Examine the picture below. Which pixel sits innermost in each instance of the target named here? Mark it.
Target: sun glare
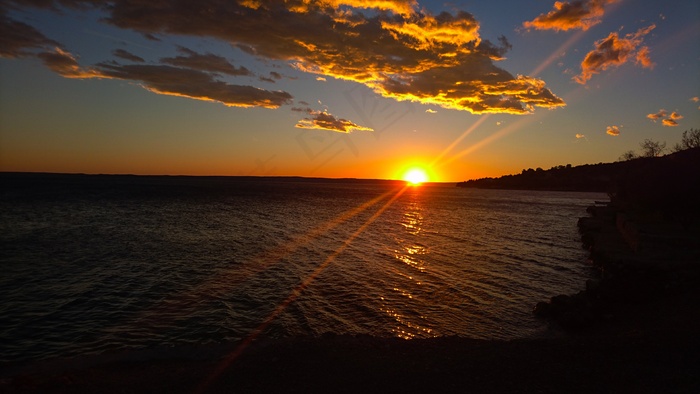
(415, 176)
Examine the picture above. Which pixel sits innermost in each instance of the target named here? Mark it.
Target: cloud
(16, 37)
(666, 118)
(614, 51)
(322, 79)
(398, 52)
(695, 99)
(662, 113)
(127, 56)
(669, 122)
(579, 136)
(322, 120)
(207, 62)
(613, 130)
(643, 59)
(567, 16)
(65, 64)
(675, 115)
(394, 49)
(431, 111)
(195, 84)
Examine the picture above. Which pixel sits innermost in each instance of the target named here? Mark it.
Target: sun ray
(293, 295)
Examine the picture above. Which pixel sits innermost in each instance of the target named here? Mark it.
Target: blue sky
(341, 88)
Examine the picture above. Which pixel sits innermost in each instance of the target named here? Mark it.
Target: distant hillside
(602, 177)
(668, 184)
(589, 177)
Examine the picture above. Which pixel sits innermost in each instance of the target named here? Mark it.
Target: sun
(415, 176)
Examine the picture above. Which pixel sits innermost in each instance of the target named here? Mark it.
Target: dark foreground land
(651, 348)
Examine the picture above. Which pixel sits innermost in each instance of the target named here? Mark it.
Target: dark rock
(542, 309)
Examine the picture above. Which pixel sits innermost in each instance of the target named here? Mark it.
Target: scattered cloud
(579, 136)
(127, 56)
(614, 51)
(613, 130)
(662, 113)
(666, 118)
(322, 120)
(695, 99)
(579, 15)
(322, 79)
(431, 111)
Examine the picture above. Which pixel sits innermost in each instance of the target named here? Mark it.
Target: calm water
(91, 264)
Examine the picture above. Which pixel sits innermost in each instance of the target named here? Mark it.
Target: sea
(98, 263)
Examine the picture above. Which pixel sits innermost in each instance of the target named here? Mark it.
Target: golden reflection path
(296, 292)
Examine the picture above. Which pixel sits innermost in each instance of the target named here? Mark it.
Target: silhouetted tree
(652, 148)
(690, 139)
(629, 155)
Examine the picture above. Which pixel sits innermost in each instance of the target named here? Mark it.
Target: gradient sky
(341, 88)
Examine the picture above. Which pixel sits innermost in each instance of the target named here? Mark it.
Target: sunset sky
(341, 88)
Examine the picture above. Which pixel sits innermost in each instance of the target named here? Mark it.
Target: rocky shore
(641, 259)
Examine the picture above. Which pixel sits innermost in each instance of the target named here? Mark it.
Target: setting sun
(415, 176)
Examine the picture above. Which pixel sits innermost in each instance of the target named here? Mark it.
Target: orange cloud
(669, 122)
(643, 58)
(322, 120)
(667, 119)
(566, 16)
(613, 130)
(614, 51)
(662, 113)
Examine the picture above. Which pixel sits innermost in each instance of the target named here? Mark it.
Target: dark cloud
(570, 15)
(614, 51)
(16, 38)
(127, 56)
(195, 84)
(207, 62)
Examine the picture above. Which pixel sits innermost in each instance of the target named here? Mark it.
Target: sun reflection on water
(401, 301)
